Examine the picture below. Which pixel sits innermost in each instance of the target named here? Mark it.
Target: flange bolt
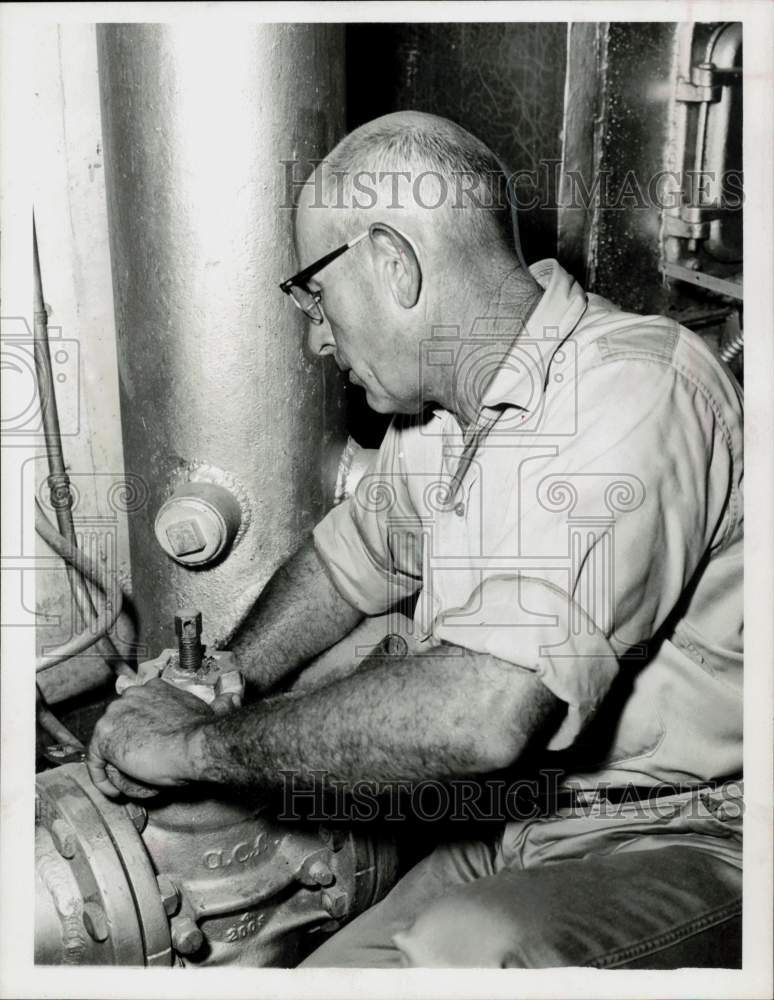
(335, 901)
(95, 921)
(187, 939)
(64, 838)
(317, 872)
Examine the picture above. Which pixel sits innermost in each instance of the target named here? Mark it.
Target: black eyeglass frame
(300, 279)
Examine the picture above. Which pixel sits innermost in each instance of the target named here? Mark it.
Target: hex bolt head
(170, 895)
(95, 921)
(187, 939)
(63, 837)
(138, 815)
(335, 901)
(317, 872)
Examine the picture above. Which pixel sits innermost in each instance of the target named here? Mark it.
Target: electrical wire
(109, 611)
(50, 725)
(61, 496)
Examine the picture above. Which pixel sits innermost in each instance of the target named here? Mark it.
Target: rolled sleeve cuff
(354, 571)
(535, 625)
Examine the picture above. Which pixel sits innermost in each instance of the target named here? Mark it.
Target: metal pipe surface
(202, 126)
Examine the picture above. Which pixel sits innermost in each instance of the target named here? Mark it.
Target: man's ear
(399, 263)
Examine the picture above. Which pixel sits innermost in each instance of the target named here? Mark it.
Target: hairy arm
(448, 713)
(452, 712)
(298, 615)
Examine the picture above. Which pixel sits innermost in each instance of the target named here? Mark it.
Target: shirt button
(459, 510)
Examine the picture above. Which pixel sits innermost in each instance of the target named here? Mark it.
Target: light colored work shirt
(588, 527)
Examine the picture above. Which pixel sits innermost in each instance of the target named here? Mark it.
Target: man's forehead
(313, 222)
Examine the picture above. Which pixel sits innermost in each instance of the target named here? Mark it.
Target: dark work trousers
(653, 885)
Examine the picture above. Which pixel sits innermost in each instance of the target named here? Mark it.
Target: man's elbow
(515, 721)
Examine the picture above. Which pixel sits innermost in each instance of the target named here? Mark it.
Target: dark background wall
(503, 82)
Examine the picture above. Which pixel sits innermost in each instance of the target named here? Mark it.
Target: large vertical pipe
(197, 121)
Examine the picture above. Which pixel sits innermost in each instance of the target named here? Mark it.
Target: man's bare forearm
(298, 615)
(433, 716)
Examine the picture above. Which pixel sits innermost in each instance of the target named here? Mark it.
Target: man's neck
(488, 323)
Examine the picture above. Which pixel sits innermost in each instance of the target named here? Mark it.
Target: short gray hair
(474, 179)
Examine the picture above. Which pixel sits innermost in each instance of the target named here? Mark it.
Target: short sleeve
(372, 564)
(635, 497)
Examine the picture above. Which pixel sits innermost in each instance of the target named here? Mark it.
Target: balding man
(560, 493)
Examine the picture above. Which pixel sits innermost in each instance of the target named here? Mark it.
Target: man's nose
(321, 340)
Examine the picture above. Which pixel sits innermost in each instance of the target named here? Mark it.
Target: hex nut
(317, 872)
(138, 815)
(95, 921)
(170, 895)
(335, 901)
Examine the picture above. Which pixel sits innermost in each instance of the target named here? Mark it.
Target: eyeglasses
(309, 302)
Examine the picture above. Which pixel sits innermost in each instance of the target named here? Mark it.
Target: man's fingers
(132, 789)
(225, 703)
(97, 772)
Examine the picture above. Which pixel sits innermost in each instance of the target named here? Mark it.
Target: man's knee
(468, 929)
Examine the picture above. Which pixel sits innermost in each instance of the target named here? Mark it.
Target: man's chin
(384, 404)
(380, 405)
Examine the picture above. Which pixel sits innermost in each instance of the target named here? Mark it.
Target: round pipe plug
(198, 523)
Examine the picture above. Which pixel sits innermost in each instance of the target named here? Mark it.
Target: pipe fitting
(188, 629)
(197, 525)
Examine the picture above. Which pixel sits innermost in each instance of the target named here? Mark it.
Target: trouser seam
(667, 938)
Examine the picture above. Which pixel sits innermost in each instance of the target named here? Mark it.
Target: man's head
(432, 199)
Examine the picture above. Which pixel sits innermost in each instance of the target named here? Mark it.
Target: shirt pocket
(722, 664)
(626, 726)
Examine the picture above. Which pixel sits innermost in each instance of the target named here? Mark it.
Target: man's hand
(148, 734)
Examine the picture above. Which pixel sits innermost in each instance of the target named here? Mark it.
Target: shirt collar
(553, 320)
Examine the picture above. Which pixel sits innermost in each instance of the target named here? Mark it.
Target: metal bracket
(692, 222)
(706, 83)
(722, 286)
(676, 225)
